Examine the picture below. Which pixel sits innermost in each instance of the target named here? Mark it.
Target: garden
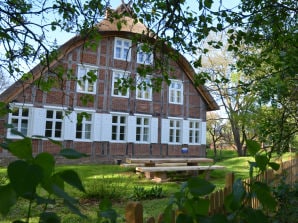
(120, 185)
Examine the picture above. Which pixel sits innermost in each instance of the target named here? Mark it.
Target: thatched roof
(108, 27)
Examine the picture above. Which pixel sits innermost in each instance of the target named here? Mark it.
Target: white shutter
(70, 122)
(106, 127)
(165, 125)
(38, 121)
(185, 132)
(154, 130)
(203, 133)
(131, 129)
(97, 127)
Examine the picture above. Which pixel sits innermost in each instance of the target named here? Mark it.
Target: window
(122, 49)
(175, 131)
(54, 121)
(86, 79)
(116, 84)
(142, 129)
(144, 55)
(84, 126)
(144, 89)
(194, 131)
(119, 125)
(20, 119)
(176, 92)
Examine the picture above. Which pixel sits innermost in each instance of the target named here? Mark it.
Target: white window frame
(176, 93)
(122, 49)
(144, 94)
(84, 129)
(54, 120)
(82, 73)
(175, 130)
(19, 121)
(141, 128)
(145, 58)
(119, 128)
(194, 129)
(117, 74)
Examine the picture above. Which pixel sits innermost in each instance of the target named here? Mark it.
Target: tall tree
(226, 84)
(215, 127)
(267, 53)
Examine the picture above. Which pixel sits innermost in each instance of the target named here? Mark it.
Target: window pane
(25, 112)
(59, 115)
(146, 121)
(58, 133)
(50, 114)
(15, 111)
(114, 119)
(122, 119)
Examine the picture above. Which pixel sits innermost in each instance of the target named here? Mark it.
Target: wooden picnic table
(153, 161)
(159, 174)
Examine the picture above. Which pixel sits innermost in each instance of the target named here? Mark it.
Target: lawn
(121, 185)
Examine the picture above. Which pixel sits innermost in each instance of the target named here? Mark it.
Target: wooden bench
(160, 172)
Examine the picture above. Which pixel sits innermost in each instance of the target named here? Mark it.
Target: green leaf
(3, 109)
(199, 187)
(68, 200)
(262, 161)
(72, 154)
(49, 217)
(253, 147)
(234, 200)
(263, 194)
(106, 211)
(24, 178)
(274, 166)
(72, 178)
(208, 3)
(21, 148)
(183, 218)
(217, 218)
(254, 216)
(47, 162)
(8, 198)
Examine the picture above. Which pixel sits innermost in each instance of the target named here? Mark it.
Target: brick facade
(65, 94)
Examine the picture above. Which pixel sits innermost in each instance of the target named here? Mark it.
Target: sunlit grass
(117, 183)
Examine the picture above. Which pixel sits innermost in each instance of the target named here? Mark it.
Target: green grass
(117, 183)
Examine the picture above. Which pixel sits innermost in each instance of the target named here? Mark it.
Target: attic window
(122, 49)
(87, 79)
(176, 92)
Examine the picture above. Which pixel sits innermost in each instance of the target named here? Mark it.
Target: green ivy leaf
(71, 177)
(21, 148)
(8, 198)
(199, 187)
(71, 154)
(253, 147)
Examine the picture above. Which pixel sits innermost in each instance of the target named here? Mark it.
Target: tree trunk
(237, 140)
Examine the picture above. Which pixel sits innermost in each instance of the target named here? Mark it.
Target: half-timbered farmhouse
(116, 124)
